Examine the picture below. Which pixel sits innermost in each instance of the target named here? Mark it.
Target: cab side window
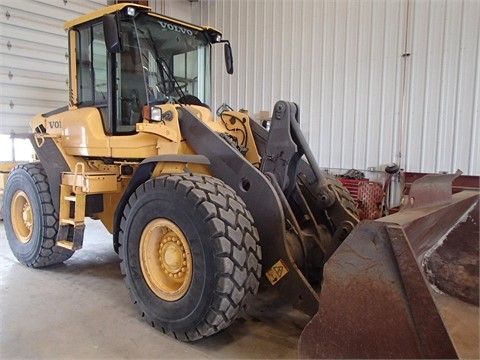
(132, 88)
(91, 63)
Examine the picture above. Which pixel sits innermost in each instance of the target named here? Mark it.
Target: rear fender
(54, 165)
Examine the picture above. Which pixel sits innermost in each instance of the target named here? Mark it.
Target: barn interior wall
(377, 81)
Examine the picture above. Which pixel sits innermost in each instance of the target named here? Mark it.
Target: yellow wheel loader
(201, 208)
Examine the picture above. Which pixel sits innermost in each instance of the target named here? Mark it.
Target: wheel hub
(165, 259)
(172, 256)
(27, 215)
(22, 217)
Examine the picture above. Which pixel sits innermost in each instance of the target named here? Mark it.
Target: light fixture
(155, 114)
(152, 113)
(131, 11)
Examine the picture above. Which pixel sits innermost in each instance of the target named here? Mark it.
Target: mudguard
(53, 163)
(142, 174)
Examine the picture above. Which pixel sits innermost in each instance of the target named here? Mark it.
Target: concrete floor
(81, 309)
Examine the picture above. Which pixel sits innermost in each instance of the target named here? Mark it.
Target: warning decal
(277, 271)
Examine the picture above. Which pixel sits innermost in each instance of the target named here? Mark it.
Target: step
(69, 221)
(66, 244)
(91, 182)
(76, 243)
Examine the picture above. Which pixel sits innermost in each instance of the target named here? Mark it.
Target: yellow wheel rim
(165, 259)
(22, 217)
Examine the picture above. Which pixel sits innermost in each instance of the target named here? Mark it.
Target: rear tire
(190, 254)
(31, 222)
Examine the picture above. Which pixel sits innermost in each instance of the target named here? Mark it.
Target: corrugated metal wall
(376, 80)
(442, 120)
(33, 57)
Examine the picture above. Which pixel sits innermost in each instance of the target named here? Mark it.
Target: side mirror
(228, 57)
(111, 30)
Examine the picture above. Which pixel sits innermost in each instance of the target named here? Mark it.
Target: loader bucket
(376, 301)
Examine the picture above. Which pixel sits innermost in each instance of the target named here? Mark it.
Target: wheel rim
(22, 217)
(165, 259)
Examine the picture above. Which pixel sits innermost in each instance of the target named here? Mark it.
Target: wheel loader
(202, 206)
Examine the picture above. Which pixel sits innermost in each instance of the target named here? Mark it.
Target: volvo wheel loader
(201, 206)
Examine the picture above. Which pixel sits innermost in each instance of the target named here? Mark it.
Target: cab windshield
(161, 61)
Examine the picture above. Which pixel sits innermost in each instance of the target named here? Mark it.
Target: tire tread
(237, 251)
(49, 253)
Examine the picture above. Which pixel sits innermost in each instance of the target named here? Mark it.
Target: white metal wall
(33, 57)
(376, 80)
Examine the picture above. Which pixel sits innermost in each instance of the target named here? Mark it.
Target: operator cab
(130, 58)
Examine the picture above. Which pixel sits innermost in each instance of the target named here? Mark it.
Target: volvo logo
(177, 28)
(55, 124)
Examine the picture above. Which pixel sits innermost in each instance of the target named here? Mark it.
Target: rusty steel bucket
(376, 300)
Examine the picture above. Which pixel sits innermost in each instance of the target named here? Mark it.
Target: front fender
(261, 200)
(144, 173)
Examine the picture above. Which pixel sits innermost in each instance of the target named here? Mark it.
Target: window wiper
(170, 81)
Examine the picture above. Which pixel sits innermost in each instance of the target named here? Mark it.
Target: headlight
(131, 11)
(152, 113)
(155, 114)
(214, 36)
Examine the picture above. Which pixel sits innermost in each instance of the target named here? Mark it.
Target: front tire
(30, 219)
(190, 254)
